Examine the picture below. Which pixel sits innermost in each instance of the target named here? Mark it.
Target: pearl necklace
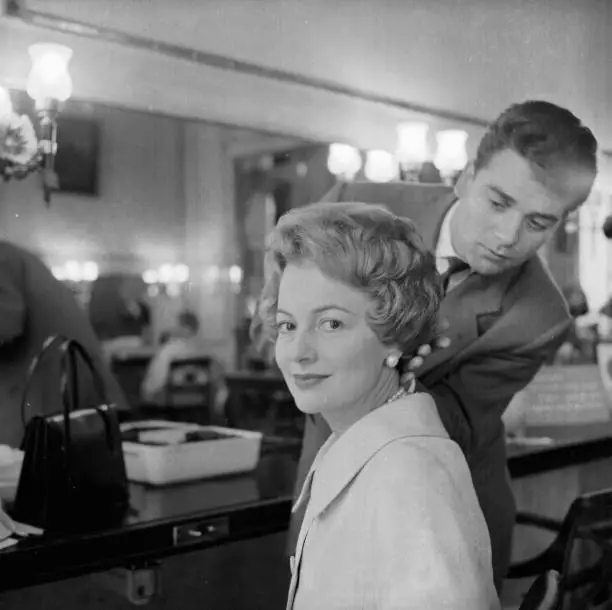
(399, 394)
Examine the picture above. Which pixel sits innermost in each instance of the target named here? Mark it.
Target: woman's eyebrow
(318, 310)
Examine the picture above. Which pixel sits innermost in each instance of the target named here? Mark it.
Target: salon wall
(472, 57)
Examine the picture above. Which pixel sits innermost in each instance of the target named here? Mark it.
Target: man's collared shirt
(446, 251)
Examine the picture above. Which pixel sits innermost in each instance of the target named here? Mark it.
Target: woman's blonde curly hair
(368, 248)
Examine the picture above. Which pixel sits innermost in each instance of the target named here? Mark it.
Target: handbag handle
(50, 342)
(69, 349)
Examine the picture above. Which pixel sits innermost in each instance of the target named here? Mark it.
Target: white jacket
(392, 520)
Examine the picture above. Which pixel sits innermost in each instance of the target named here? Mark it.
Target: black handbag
(73, 475)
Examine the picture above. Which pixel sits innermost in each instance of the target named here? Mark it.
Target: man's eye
(498, 204)
(536, 226)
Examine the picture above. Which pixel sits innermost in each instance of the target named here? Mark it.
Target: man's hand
(413, 365)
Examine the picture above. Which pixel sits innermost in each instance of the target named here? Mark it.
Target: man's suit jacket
(392, 520)
(501, 328)
(33, 306)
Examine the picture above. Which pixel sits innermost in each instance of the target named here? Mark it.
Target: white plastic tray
(180, 462)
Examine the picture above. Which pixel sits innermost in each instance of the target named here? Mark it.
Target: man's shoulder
(14, 260)
(536, 284)
(18, 257)
(536, 299)
(10, 252)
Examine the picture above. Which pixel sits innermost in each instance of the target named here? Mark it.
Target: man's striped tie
(455, 265)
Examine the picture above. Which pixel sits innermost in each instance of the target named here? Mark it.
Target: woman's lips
(306, 381)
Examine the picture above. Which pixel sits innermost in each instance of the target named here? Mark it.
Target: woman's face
(329, 356)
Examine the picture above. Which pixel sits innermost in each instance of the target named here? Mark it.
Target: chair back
(543, 593)
(190, 383)
(584, 538)
(262, 401)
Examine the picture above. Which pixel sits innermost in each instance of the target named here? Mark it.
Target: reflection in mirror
(159, 227)
(155, 215)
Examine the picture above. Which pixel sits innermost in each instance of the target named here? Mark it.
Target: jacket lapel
(412, 416)
(462, 307)
(477, 296)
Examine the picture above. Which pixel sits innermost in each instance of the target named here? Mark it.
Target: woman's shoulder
(421, 462)
(416, 414)
(427, 478)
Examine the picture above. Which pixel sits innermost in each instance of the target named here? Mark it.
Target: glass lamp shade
(412, 149)
(451, 155)
(380, 166)
(49, 77)
(343, 160)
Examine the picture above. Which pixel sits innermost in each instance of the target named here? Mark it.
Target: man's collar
(444, 247)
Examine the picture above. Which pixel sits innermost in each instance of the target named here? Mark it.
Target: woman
(392, 519)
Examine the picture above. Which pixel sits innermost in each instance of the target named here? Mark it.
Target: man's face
(507, 211)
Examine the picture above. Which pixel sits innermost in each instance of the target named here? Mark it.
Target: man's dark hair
(607, 227)
(548, 136)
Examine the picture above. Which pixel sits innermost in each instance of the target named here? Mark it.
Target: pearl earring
(391, 361)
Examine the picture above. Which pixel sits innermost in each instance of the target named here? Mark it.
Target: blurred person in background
(34, 306)
(119, 311)
(592, 326)
(579, 344)
(182, 342)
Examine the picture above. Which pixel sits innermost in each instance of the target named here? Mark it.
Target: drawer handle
(201, 531)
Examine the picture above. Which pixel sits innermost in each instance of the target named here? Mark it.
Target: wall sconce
(411, 159)
(49, 84)
(380, 166)
(169, 278)
(412, 149)
(343, 161)
(214, 276)
(451, 154)
(79, 277)
(76, 272)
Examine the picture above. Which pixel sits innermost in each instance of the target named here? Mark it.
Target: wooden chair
(588, 521)
(191, 390)
(543, 593)
(261, 401)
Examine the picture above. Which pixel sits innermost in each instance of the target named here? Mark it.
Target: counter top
(570, 446)
(164, 521)
(181, 518)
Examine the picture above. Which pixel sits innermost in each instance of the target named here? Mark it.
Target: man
(535, 164)
(34, 306)
(183, 342)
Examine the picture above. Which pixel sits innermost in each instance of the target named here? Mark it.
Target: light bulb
(343, 160)
(412, 146)
(90, 271)
(380, 166)
(451, 155)
(49, 77)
